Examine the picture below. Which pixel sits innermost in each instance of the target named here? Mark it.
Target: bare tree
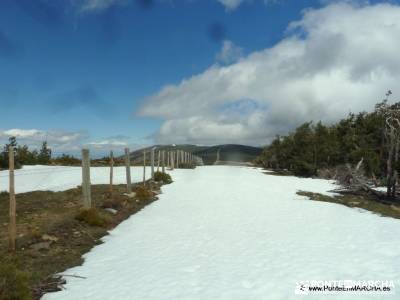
(391, 118)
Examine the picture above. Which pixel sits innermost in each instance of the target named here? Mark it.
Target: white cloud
(70, 142)
(334, 60)
(229, 52)
(86, 6)
(231, 4)
(58, 140)
(24, 133)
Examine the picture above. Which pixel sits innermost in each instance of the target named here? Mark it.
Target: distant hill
(229, 153)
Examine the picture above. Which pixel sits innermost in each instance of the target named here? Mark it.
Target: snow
(61, 178)
(222, 232)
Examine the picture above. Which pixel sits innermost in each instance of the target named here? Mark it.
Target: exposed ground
(52, 239)
(366, 202)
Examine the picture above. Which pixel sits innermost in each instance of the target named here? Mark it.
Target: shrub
(164, 177)
(304, 169)
(143, 193)
(112, 203)
(14, 284)
(4, 193)
(91, 217)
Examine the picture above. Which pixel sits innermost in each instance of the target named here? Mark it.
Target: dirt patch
(361, 201)
(53, 233)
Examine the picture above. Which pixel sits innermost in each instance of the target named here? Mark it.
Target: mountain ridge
(229, 153)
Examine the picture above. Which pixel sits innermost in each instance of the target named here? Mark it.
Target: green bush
(164, 177)
(304, 169)
(14, 284)
(91, 217)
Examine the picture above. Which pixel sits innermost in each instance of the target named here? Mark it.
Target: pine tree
(44, 154)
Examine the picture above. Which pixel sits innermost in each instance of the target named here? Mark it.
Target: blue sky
(94, 72)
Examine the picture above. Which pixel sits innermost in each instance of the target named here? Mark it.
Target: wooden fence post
(163, 161)
(111, 173)
(13, 222)
(128, 171)
(87, 197)
(144, 167)
(152, 163)
(172, 160)
(158, 161)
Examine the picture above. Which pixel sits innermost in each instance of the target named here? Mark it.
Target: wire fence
(59, 178)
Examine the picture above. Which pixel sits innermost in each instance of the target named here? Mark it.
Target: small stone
(41, 246)
(50, 238)
(111, 210)
(131, 195)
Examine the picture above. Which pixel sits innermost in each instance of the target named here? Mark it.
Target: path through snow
(231, 233)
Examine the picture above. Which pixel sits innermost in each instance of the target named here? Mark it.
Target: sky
(109, 74)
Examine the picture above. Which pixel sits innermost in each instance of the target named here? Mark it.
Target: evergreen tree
(44, 156)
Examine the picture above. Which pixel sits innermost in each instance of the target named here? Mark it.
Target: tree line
(25, 156)
(372, 138)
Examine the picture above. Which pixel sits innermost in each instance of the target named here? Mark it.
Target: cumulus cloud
(58, 140)
(334, 60)
(70, 142)
(229, 52)
(116, 144)
(107, 143)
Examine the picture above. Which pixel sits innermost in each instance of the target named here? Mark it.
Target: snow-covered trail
(231, 233)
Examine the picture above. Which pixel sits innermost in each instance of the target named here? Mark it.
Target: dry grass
(14, 283)
(92, 217)
(54, 233)
(143, 193)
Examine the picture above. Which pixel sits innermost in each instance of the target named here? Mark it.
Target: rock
(50, 238)
(41, 246)
(111, 210)
(131, 195)
(354, 203)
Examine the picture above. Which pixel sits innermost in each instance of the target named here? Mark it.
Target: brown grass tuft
(91, 217)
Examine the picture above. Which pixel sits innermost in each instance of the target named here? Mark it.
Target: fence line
(171, 159)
